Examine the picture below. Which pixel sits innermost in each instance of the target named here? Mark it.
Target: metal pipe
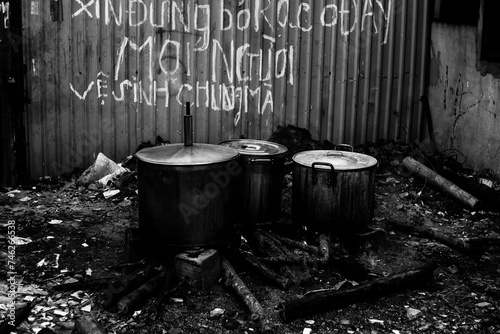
(188, 127)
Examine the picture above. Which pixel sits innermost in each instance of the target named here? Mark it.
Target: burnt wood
(333, 299)
(233, 281)
(461, 244)
(278, 280)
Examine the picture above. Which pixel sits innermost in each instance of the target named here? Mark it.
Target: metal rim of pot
(256, 151)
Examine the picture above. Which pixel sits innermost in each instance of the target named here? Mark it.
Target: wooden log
(129, 265)
(164, 294)
(279, 260)
(324, 249)
(269, 248)
(282, 282)
(125, 284)
(270, 245)
(87, 325)
(233, 281)
(87, 284)
(141, 295)
(298, 245)
(460, 244)
(333, 299)
(427, 174)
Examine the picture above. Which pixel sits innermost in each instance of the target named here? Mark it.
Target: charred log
(460, 244)
(87, 325)
(120, 287)
(141, 295)
(280, 281)
(333, 299)
(233, 281)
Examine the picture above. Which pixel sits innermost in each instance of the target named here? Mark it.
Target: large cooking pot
(333, 191)
(188, 193)
(263, 164)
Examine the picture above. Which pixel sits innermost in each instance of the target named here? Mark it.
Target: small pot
(333, 191)
(263, 165)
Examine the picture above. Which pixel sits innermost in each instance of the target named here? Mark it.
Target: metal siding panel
(202, 77)
(281, 72)
(396, 114)
(254, 87)
(267, 80)
(34, 114)
(330, 72)
(388, 79)
(376, 87)
(292, 94)
(304, 78)
(342, 66)
(423, 49)
(182, 24)
(341, 79)
(65, 103)
(229, 101)
(354, 77)
(411, 75)
(365, 81)
(317, 75)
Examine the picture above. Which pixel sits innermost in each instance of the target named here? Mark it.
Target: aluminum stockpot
(333, 191)
(263, 164)
(188, 195)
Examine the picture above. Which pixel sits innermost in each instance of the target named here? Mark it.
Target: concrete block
(202, 269)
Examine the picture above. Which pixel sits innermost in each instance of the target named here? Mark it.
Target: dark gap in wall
(464, 12)
(488, 46)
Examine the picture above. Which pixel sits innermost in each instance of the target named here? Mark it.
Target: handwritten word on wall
(170, 73)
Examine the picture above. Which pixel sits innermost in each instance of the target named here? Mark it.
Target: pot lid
(340, 160)
(181, 155)
(255, 147)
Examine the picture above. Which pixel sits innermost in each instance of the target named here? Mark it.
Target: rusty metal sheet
(106, 75)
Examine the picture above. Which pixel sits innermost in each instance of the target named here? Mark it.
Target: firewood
(298, 245)
(233, 281)
(282, 282)
(139, 296)
(123, 285)
(324, 249)
(271, 246)
(440, 182)
(280, 260)
(460, 244)
(87, 284)
(164, 294)
(129, 265)
(333, 299)
(87, 325)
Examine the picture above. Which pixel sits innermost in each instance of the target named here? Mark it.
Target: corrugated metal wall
(105, 75)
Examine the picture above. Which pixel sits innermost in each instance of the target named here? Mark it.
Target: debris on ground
(76, 234)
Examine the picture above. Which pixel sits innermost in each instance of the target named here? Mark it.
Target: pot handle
(349, 147)
(334, 153)
(333, 180)
(261, 161)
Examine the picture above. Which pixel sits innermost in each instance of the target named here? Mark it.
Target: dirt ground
(67, 233)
